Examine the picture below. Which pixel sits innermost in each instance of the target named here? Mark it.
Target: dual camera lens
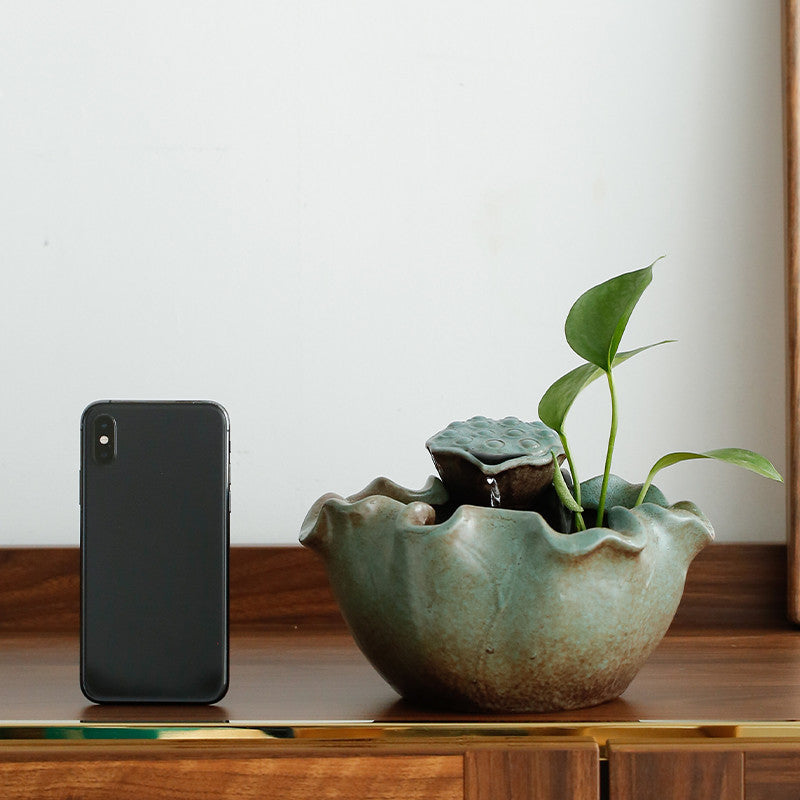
(104, 437)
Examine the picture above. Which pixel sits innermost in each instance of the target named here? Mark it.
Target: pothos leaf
(598, 318)
(737, 456)
(558, 399)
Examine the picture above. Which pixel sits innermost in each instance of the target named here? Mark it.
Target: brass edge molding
(462, 735)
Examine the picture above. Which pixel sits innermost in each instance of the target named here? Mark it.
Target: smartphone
(155, 529)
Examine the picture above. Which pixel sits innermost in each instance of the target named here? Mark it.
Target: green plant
(594, 328)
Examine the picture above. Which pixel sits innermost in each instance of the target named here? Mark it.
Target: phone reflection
(123, 713)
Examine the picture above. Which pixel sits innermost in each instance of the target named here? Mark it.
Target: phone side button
(80, 487)
(229, 499)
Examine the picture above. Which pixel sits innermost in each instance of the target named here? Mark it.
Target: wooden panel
(730, 585)
(736, 587)
(139, 774)
(280, 586)
(270, 586)
(653, 772)
(791, 48)
(773, 773)
(568, 771)
(39, 589)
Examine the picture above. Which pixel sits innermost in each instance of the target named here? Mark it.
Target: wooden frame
(791, 95)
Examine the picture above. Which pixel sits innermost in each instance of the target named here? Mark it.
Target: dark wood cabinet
(642, 771)
(727, 769)
(534, 772)
(170, 772)
(772, 772)
(308, 718)
(541, 770)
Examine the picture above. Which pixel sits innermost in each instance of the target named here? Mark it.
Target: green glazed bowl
(493, 610)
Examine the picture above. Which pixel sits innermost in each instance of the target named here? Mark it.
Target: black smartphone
(155, 511)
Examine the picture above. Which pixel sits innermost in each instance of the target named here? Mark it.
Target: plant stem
(645, 487)
(577, 487)
(601, 506)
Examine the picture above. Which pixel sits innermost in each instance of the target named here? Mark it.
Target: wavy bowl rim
(411, 512)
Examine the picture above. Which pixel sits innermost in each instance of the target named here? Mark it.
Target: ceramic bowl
(493, 610)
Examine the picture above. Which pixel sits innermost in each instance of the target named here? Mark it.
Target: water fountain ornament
(492, 609)
(508, 585)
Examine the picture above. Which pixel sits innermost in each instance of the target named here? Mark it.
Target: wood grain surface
(735, 587)
(269, 586)
(753, 769)
(572, 770)
(773, 773)
(320, 675)
(791, 84)
(642, 772)
(152, 772)
(729, 585)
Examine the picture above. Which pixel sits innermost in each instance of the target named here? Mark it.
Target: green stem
(601, 506)
(577, 487)
(645, 487)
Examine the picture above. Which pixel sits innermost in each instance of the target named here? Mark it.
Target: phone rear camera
(105, 439)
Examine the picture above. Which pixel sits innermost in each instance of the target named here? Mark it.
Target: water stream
(494, 493)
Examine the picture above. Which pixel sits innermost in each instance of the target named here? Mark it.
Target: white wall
(353, 222)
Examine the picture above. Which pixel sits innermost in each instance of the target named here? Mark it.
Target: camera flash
(104, 439)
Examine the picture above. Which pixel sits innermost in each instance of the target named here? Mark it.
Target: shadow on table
(614, 711)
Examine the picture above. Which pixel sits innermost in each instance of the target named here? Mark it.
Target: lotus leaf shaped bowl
(493, 610)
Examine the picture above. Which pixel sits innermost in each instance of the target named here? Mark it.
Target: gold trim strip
(349, 733)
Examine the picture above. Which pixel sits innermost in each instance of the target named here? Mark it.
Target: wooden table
(714, 712)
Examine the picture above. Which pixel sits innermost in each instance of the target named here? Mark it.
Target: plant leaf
(558, 399)
(562, 490)
(598, 318)
(730, 455)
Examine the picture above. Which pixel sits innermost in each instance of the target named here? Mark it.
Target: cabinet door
(674, 772)
(166, 771)
(542, 773)
(772, 771)
(150, 776)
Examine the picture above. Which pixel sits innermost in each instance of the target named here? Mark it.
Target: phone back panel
(154, 554)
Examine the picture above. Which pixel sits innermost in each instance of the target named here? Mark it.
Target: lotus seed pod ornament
(506, 585)
(495, 462)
